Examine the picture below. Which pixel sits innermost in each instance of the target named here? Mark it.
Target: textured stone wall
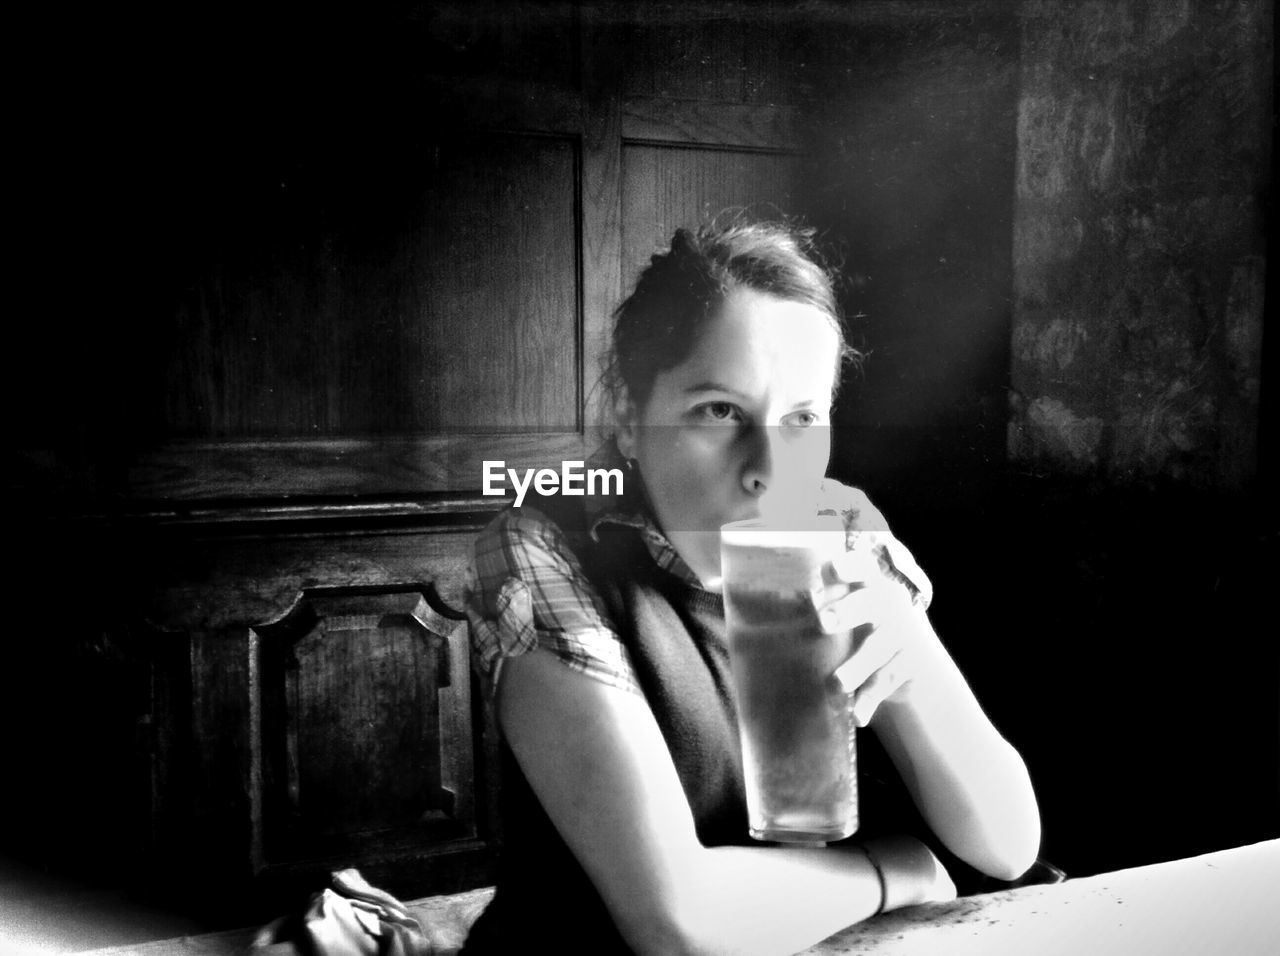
(1139, 239)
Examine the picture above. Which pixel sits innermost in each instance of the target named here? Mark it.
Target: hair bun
(683, 243)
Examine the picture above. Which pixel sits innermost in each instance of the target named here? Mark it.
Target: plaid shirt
(526, 587)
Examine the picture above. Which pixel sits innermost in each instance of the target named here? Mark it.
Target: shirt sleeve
(526, 589)
(865, 527)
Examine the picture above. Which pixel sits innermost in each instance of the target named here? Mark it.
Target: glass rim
(806, 533)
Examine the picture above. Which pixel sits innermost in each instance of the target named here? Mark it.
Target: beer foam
(760, 555)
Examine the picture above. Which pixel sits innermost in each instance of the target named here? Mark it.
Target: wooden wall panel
(490, 292)
(740, 126)
(442, 298)
(776, 43)
(669, 187)
(701, 53)
(526, 41)
(715, 52)
(601, 202)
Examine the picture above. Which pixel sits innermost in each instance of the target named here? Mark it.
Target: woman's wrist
(874, 860)
(906, 868)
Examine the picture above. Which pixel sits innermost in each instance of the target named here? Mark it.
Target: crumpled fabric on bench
(352, 918)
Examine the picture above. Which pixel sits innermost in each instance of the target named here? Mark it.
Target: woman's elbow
(689, 919)
(662, 922)
(1013, 837)
(1011, 867)
(1012, 852)
(665, 933)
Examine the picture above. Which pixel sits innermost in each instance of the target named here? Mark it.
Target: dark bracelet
(884, 887)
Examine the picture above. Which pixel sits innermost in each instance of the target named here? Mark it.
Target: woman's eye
(801, 419)
(719, 412)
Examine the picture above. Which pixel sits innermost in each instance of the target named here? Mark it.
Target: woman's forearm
(777, 900)
(969, 782)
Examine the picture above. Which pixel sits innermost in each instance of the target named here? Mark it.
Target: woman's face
(740, 428)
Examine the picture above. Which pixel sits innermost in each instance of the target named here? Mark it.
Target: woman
(599, 632)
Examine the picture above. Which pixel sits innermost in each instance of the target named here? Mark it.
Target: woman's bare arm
(597, 761)
(969, 783)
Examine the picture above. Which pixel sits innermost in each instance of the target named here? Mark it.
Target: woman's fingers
(854, 567)
(876, 650)
(875, 610)
(869, 608)
(851, 610)
(877, 688)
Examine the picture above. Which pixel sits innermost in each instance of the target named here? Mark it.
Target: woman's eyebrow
(710, 386)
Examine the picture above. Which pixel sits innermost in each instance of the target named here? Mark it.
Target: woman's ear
(625, 414)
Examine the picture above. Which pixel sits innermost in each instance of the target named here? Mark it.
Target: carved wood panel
(361, 710)
(306, 704)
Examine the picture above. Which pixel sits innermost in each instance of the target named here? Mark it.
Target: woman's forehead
(751, 323)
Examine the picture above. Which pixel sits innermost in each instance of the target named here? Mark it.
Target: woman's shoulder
(517, 541)
(520, 524)
(527, 589)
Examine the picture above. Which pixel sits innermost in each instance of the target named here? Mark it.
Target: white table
(1220, 904)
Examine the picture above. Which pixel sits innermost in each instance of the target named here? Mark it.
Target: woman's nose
(760, 454)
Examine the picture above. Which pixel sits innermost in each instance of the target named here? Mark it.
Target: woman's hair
(657, 326)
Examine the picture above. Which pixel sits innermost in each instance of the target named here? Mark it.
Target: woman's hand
(894, 646)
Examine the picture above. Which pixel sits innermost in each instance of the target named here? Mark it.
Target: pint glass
(797, 730)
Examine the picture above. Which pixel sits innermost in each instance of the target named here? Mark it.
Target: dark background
(1052, 222)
